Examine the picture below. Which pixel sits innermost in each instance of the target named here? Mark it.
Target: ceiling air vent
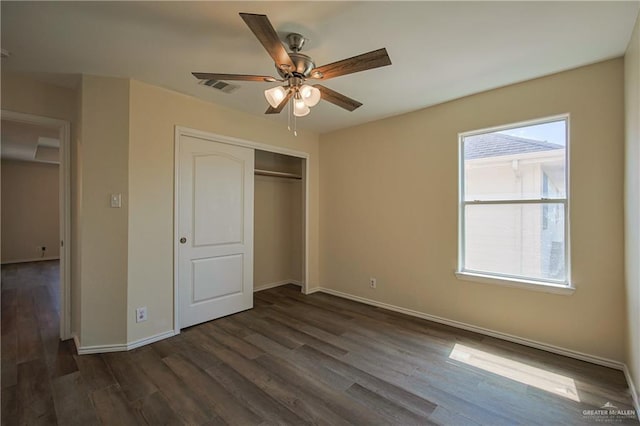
(220, 85)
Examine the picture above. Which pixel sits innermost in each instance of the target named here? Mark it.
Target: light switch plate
(116, 201)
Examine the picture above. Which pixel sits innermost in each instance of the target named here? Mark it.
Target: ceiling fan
(295, 68)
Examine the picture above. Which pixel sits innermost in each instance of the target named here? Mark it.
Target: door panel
(225, 271)
(215, 217)
(218, 199)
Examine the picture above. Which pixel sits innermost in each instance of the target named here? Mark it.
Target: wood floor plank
(232, 342)
(62, 361)
(112, 408)
(29, 342)
(313, 369)
(133, 383)
(465, 400)
(9, 407)
(311, 304)
(168, 346)
(285, 392)
(318, 311)
(381, 405)
(445, 416)
(384, 388)
(95, 372)
(9, 337)
(271, 298)
(253, 397)
(155, 410)
(324, 324)
(233, 328)
(9, 361)
(225, 405)
(344, 408)
(305, 339)
(72, 403)
(188, 406)
(258, 325)
(191, 349)
(8, 313)
(35, 402)
(259, 303)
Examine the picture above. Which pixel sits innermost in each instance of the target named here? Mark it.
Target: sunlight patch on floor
(514, 370)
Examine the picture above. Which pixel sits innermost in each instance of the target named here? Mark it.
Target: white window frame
(547, 285)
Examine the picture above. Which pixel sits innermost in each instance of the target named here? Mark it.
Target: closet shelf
(260, 172)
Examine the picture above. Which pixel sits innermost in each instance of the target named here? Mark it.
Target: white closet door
(215, 221)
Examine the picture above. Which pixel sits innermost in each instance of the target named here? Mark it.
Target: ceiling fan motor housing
(303, 66)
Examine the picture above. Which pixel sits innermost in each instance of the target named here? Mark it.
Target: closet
(278, 220)
(228, 245)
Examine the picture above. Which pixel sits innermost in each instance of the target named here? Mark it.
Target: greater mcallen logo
(609, 413)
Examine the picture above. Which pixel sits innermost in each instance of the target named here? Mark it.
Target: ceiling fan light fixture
(310, 95)
(275, 95)
(300, 108)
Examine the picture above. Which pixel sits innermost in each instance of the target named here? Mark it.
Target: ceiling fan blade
(366, 61)
(337, 98)
(241, 77)
(272, 110)
(263, 30)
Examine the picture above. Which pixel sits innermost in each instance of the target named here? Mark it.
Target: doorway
(35, 151)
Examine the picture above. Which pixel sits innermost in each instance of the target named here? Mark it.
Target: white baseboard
(152, 339)
(99, 349)
(35, 259)
(481, 330)
(276, 284)
(632, 389)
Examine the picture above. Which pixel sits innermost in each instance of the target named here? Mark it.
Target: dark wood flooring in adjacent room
(294, 359)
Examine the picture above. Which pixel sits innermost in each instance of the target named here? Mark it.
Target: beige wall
(277, 230)
(30, 211)
(389, 197)
(632, 197)
(296, 241)
(154, 113)
(104, 169)
(24, 94)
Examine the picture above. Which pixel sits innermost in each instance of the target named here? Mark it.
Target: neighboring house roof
(499, 144)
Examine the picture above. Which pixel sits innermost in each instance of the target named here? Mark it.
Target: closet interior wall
(278, 220)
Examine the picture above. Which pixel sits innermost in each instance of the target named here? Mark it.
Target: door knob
(183, 240)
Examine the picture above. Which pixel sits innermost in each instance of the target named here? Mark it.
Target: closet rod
(277, 174)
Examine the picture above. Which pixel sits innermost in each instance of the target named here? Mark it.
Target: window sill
(516, 283)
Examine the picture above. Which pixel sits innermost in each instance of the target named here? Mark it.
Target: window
(514, 204)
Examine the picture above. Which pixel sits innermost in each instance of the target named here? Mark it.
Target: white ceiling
(440, 50)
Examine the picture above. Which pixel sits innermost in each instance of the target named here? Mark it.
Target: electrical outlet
(141, 314)
(373, 282)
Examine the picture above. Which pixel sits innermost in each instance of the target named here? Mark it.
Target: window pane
(520, 163)
(525, 240)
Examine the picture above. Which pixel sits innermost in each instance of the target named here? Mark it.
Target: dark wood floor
(294, 359)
